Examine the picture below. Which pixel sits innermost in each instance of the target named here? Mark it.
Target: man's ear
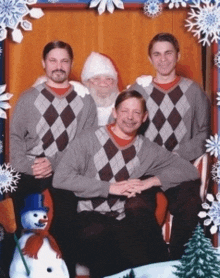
(149, 58)
(145, 117)
(178, 56)
(114, 113)
(43, 63)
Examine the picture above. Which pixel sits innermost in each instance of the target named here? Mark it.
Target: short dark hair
(57, 44)
(164, 37)
(130, 94)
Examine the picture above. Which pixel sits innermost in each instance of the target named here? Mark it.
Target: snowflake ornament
(217, 59)
(218, 98)
(213, 145)
(213, 212)
(109, 4)
(153, 8)
(11, 15)
(204, 20)
(3, 104)
(8, 178)
(53, 1)
(176, 3)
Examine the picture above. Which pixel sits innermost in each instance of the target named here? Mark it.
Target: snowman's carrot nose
(43, 220)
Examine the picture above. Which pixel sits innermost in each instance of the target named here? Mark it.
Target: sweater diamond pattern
(118, 159)
(166, 126)
(110, 149)
(57, 125)
(112, 164)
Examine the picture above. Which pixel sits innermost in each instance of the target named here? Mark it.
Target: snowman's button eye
(45, 216)
(49, 269)
(35, 215)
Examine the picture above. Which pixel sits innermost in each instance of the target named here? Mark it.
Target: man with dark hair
(57, 44)
(179, 120)
(53, 114)
(164, 37)
(103, 168)
(45, 120)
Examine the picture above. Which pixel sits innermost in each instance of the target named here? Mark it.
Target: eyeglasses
(102, 80)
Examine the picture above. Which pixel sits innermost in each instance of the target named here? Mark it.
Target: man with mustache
(45, 120)
(179, 120)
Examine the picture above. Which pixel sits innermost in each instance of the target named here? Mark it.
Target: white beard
(108, 98)
(104, 115)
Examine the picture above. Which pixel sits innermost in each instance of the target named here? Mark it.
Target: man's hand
(130, 188)
(42, 168)
(148, 183)
(144, 80)
(126, 188)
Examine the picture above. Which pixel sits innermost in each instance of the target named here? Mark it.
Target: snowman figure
(41, 257)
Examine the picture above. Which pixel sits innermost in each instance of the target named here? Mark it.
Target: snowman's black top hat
(34, 202)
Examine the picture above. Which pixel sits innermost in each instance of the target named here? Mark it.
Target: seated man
(45, 120)
(102, 167)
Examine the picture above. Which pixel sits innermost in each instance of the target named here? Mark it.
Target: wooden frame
(78, 5)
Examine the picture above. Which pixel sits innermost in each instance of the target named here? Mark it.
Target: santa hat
(96, 64)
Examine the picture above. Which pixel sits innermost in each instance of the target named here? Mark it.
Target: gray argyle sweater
(44, 124)
(179, 118)
(95, 160)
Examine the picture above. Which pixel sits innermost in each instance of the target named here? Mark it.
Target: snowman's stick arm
(22, 256)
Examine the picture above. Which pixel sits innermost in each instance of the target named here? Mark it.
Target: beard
(58, 76)
(103, 97)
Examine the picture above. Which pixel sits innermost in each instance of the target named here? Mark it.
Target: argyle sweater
(179, 118)
(95, 160)
(44, 124)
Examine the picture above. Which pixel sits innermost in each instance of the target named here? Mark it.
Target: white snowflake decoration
(11, 15)
(153, 8)
(3, 104)
(217, 59)
(204, 20)
(109, 4)
(0, 51)
(213, 145)
(8, 178)
(218, 98)
(213, 212)
(53, 1)
(216, 171)
(176, 3)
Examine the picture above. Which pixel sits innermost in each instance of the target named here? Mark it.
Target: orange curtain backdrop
(123, 36)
